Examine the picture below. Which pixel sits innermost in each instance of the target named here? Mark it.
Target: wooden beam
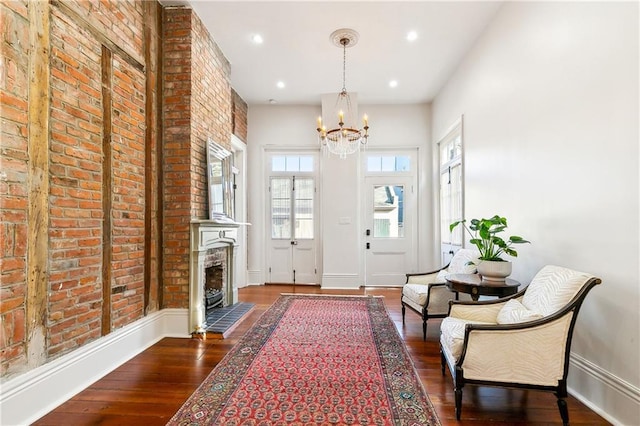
(160, 159)
(152, 27)
(107, 71)
(38, 183)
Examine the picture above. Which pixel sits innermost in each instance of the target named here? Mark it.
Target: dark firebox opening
(213, 283)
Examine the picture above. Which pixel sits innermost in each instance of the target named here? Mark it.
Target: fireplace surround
(207, 235)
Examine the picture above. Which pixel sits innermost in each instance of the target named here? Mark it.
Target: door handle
(368, 246)
(294, 243)
(368, 232)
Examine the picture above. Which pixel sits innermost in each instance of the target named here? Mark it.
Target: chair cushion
(417, 293)
(552, 288)
(452, 334)
(514, 312)
(440, 277)
(460, 263)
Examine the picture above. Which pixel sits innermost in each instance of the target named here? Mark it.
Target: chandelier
(344, 139)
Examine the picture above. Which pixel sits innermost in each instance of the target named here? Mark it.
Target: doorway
(451, 191)
(293, 225)
(390, 212)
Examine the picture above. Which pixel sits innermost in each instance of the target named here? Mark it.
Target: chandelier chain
(344, 65)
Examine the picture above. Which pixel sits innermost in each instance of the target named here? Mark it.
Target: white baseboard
(613, 398)
(340, 281)
(27, 397)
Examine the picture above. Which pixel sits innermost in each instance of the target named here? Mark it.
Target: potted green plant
(485, 237)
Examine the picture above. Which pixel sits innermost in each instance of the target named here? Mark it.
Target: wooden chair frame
(424, 314)
(560, 390)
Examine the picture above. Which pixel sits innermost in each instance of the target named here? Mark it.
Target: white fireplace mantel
(205, 235)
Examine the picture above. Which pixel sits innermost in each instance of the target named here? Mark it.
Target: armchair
(426, 294)
(520, 341)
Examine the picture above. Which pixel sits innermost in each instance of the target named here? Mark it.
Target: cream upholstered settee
(520, 341)
(426, 294)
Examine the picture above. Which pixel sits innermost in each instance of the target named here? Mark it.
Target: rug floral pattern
(321, 360)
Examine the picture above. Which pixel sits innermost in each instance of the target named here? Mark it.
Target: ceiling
(297, 49)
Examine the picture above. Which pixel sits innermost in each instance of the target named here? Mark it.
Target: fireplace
(215, 266)
(211, 278)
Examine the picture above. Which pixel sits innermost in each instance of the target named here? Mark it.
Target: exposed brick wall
(76, 300)
(128, 161)
(75, 213)
(176, 155)
(240, 111)
(197, 106)
(13, 183)
(74, 291)
(120, 21)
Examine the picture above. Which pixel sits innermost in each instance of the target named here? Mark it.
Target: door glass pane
(374, 163)
(456, 202)
(450, 150)
(306, 163)
(280, 208)
(457, 147)
(388, 163)
(278, 163)
(293, 163)
(403, 163)
(445, 207)
(451, 204)
(388, 211)
(303, 204)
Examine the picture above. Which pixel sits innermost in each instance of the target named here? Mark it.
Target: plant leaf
(454, 224)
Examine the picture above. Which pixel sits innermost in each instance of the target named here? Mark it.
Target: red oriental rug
(320, 360)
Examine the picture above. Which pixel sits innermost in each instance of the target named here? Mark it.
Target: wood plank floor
(152, 386)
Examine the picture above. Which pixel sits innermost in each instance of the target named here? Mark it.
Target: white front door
(390, 210)
(292, 251)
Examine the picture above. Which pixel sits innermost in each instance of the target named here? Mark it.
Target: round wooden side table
(474, 285)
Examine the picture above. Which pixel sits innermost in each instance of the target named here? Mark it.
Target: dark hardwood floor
(152, 386)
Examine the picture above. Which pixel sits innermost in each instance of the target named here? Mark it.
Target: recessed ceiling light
(393, 83)
(412, 36)
(280, 84)
(257, 39)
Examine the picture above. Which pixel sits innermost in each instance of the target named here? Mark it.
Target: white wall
(294, 126)
(550, 102)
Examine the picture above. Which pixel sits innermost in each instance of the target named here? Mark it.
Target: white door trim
(269, 152)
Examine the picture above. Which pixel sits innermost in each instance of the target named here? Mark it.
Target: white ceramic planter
(492, 270)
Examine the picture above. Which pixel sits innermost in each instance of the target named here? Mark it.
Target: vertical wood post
(152, 28)
(38, 183)
(160, 158)
(106, 189)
